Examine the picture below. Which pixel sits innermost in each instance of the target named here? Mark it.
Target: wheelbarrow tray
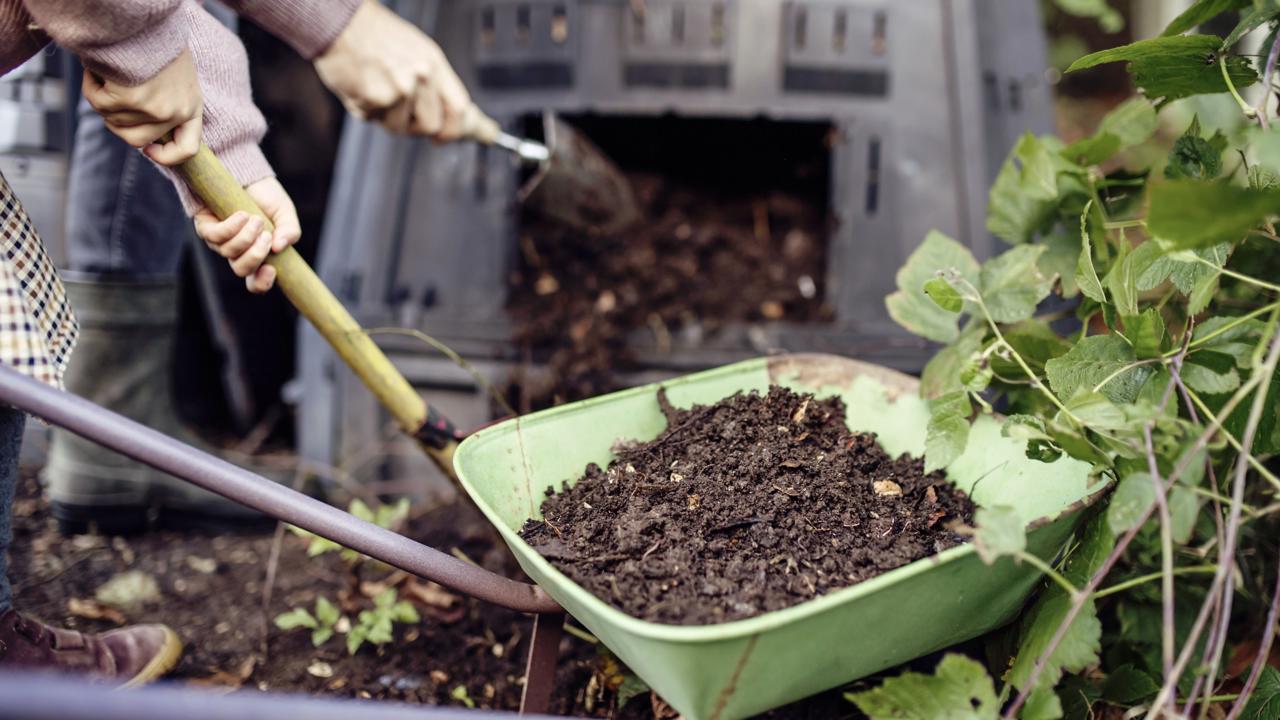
(736, 669)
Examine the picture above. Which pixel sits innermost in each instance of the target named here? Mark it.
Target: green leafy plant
(1133, 324)
(322, 624)
(375, 625)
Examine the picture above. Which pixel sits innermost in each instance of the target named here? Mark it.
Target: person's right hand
(387, 70)
(142, 115)
(242, 238)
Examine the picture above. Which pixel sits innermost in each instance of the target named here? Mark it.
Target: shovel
(573, 181)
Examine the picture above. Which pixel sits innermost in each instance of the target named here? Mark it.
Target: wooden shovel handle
(210, 180)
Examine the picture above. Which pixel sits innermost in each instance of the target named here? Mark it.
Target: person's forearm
(126, 41)
(309, 26)
(233, 125)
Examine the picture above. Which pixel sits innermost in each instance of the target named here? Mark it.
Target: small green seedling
(322, 624)
(385, 516)
(460, 694)
(375, 626)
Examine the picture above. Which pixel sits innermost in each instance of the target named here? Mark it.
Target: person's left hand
(242, 238)
(142, 115)
(386, 70)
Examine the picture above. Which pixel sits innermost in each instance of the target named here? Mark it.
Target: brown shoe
(127, 657)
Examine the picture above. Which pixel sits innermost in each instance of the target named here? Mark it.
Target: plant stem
(1261, 110)
(1238, 276)
(1235, 322)
(1245, 107)
(1231, 440)
(1143, 579)
(1166, 550)
(1125, 369)
(1264, 648)
(452, 355)
(1044, 567)
(1261, 379)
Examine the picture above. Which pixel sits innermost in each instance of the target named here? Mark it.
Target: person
(163, 74)
(126, 231)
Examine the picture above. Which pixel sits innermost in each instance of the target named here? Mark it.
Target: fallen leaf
(202, 565)
(429, 594)
(128, 590)
(230, 680)
(886, 488)
(320, 669)
(94, 610)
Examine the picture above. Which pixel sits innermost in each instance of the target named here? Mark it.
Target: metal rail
(24, 696)
(216, 475)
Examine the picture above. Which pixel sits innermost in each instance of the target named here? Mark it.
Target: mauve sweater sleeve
(309, 26)
(233, 125)
(129, 41)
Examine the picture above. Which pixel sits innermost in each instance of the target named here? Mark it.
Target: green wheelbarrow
(736, 669)
(717, 672)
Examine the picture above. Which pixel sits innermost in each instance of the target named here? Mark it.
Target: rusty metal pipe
(219, 476)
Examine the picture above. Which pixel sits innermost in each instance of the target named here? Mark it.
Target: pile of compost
(753, 504)
(701, 259)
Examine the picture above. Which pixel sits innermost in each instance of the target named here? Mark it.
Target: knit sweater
(129, 41)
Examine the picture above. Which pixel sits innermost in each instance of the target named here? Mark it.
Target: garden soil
(753, 504)
(701, 259)
(210, 591)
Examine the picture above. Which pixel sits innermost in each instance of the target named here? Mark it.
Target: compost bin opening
(735, 233)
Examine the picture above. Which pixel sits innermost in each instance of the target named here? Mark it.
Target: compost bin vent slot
(525, 45)
(836, 49)
(873, 176)
(677, 44)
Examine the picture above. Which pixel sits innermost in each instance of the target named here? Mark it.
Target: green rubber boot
(122, 362)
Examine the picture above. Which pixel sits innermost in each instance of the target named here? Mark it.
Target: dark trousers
(11, 424)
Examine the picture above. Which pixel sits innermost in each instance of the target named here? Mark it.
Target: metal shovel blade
(579, 185)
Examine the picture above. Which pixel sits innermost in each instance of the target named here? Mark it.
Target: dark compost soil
(700, 259)
(753, 504)
(210, 592)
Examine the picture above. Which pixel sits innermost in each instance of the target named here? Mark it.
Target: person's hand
(142, 115)
(242, 238)
(386, 70)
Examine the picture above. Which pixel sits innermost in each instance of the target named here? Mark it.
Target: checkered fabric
(37, 328)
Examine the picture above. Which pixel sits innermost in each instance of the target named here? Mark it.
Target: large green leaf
(948, 430)
(1194, 157)
(1261, 12)
(1200, 12)
(1174, 67)
(1093, 360)
(1080, 646)
(910, 307)
(1265, 702)
(999, 532)
(1012, 284)
(1130, 501)
(1195, 214)
(959, 689)
(1145, 332)
(942, 373)
(1025, 192)
(1132, 123)
(1086, 274)
(1122, 282)
(1109, 19)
